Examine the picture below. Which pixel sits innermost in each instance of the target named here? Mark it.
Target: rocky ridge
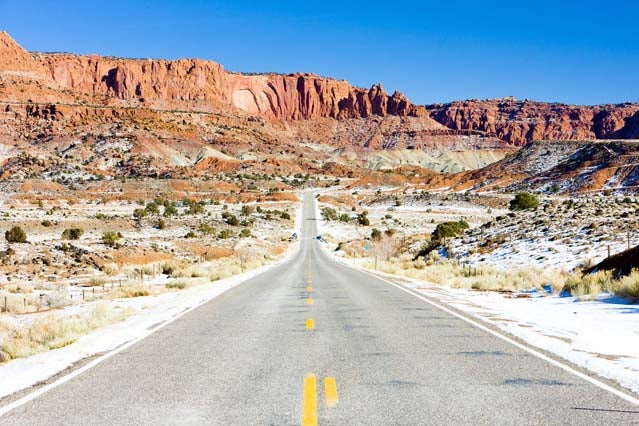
(519, 122)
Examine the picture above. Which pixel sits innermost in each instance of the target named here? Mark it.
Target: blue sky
(582, 52)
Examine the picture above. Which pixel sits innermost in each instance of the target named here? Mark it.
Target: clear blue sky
(582, 52)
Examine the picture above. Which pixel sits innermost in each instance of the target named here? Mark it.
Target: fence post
(83, 295)
(6, 309)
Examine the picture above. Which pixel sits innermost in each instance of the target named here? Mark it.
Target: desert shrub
(177, 285)
(206, 229)
(190, 234)
(628, 286)
(225, 234)
(246, 210)
(168, 269)
(362, 219)
(152, 208)
(344, 218)
(448, 230)
(16, 235)
(329, 213)
(285, 216)
(139, 213)
(111, 238)
(376, 234)
(46, 223)
(524, 201)
(161, 224)
(170, 209)
(231, 219)
(245, 233)
(72, 233)
(193, 207)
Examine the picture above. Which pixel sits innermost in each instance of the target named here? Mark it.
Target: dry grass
(128, 291)
(481, 278)
(52, 331)
(583, 287)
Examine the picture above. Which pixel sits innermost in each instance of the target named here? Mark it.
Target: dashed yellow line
(310, 324)
(330, 391)
(309, 288)
(309, 405)
(309, 301)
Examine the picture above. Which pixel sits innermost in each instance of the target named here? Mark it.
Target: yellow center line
(309, 406)
(309, 301)
(309, 280)
(310, 324)
(330, 391)
(309, 288)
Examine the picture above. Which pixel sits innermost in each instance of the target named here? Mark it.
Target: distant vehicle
(320, 239)
(293, 237)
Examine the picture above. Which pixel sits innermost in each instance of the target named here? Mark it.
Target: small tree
(16, 235)
(524, 201)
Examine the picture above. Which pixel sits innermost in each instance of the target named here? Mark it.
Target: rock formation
(519, 122)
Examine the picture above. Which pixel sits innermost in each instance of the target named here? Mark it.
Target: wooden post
(376, 262)
(608, 251)
(6, 309)
(83, 298)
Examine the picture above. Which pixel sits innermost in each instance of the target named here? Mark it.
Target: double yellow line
(309, 406)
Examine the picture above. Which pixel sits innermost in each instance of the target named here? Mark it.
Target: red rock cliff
(521, 121)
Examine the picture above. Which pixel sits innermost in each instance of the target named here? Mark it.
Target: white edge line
(531, 351)
(44, 389)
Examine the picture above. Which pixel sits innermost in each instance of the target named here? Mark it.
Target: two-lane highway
(313, 341)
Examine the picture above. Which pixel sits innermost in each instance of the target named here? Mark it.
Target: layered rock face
(197, 84)
(519, 122)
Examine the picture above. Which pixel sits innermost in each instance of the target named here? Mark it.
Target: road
(314, 341)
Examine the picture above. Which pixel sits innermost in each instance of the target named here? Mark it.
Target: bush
(46, 223)
(111, 238)
(245, 233)
(448, 230)
(344, 218)
(362, 219)
(190, 234)
(232, 220)
(170, 209)
(139, 213)
(206, 229)
(524, 201)
(16, 235)
(72, 233)
(161, 224)
(376, 234)
(225, 234)
(246, 210)
(285, 216)
(329, 213)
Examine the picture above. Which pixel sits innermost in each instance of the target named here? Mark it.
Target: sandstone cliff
(521, 121)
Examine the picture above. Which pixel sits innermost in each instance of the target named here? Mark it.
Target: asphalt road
(372, 355)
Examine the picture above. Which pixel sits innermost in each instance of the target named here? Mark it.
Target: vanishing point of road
(313, 341)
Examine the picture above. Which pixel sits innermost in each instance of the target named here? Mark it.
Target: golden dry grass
(52, 331)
